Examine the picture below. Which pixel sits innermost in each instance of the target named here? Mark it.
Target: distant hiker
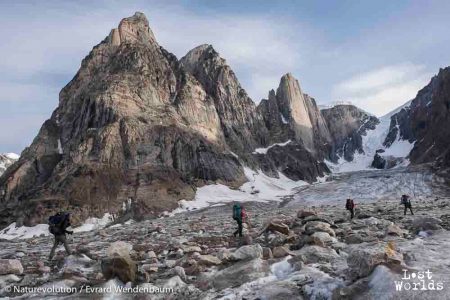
(239, 215)
(406, 201)
(350, 205)
(57, 226)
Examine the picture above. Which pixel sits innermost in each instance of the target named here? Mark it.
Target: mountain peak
(131, 30)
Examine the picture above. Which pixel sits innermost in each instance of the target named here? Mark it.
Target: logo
(418, 281)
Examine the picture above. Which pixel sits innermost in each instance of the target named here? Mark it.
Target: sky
(374, 54)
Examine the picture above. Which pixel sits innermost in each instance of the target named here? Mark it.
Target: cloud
(379, 91)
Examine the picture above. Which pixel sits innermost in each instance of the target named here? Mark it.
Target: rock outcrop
(426, 122)
(291, 114)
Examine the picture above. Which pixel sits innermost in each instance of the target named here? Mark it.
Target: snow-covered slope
(6, 160)
(372, 141)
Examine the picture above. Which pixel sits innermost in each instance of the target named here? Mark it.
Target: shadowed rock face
(347, 124)
(426, 122)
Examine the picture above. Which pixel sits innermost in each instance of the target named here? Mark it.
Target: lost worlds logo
(418, 281)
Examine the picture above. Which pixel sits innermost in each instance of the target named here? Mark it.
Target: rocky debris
(212, 264)
(305, 213)
(10, 266)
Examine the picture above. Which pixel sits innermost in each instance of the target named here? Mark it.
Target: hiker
(405, 200)
(58, 225)
(350, 205)
(239, 215)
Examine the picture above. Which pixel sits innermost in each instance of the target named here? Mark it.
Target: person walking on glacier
(239, 215)
(57, 226)
(350, 205)
(406, 201)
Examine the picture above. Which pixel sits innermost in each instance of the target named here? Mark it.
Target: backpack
(404, 200)
(349, 204)
(58, 223)
(237, 212)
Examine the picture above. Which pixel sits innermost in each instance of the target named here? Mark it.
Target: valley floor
(313, 250)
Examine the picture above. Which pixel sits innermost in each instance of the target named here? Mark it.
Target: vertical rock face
(290, 114)
(347, 124)
(426, 122)
(242, 126)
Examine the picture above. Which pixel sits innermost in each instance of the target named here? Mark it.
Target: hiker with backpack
(58, 225)
(239, 215)
(350, 205)
(406, 201)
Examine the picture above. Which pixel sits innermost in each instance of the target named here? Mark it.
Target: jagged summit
(132, 29)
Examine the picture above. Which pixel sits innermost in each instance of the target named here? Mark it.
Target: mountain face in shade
(347, 124)
(426, 122)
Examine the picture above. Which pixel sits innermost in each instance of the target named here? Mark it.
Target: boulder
(393, 229)
(280, 251)
(240, 273)
(208, 260)
(122, 267)
(267, 253)
(318, 218)
(426, 223)
(313, 254)
(191, 249)
(303, 213)
(279, 227)
(322, 239)
(247, 252)
(364, 258)
(315, 226)
(119, 248)
(10, 266)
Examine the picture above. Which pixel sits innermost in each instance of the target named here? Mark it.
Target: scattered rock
(315, 226)
(119, 266)
(247, 252)
(279, 251)
(10, 266)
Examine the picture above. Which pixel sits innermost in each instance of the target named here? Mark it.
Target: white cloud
(379, 91)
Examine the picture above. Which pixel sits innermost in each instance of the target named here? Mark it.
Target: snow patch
(260, 187)
(264, 150)
(24, 232)
(283, 119)
(13, 156)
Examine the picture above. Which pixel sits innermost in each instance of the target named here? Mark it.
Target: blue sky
(375, 54)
